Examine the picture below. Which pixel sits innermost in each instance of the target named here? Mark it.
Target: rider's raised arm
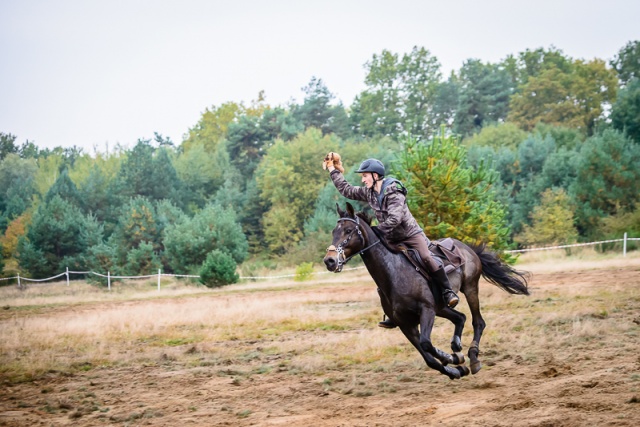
(347, 190)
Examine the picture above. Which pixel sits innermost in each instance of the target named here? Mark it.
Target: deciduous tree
(552, 221)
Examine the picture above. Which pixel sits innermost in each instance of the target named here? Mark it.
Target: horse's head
(349, 239)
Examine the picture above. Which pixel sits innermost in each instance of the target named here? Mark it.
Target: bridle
(340, 251)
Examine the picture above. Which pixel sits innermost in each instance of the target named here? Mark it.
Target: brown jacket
(394, 218)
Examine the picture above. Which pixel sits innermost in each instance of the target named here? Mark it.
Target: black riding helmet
(372, 165)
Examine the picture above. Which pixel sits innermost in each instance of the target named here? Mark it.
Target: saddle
(444, 251)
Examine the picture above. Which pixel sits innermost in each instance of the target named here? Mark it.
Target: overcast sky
(87, 73)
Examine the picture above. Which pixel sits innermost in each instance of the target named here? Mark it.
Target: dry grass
(315, 327)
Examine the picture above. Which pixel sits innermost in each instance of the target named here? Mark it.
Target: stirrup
(387, 323)
(451, 298)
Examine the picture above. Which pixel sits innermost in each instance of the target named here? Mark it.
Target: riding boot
(442, 280)
(387, 323)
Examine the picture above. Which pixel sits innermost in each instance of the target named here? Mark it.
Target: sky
(96, 73)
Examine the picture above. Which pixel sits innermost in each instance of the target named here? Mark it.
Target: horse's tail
(502, 275)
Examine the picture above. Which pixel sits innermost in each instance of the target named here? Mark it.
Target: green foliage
(7, 145)
(47, 173)
(17, 189)
(149, 173)
(563, 136)
(484, 91)
(625, 113)
(102, 258)
(202, 171)
(1, 259)
(447, 196)
(614, 227)
(317, 111)
(289, 178)
(57, 238)
(100, 198)
(532, 63)
(137, 223)
(399, 96)
(558, 171)
(188, 241)
(608, 172)
(213, 126)
(627, 62)
(553, 221)
(261, 165)
(497, 136)
(573, 98)
(142, 260)
(66, 189)
(304, 272)
(218, 269)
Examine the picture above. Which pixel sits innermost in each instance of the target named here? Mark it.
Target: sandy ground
(591, 384)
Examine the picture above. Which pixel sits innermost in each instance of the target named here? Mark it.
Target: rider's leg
(436, 270)
(443, 281)
(386, 323)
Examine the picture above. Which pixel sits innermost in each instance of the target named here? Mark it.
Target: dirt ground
(596, 383)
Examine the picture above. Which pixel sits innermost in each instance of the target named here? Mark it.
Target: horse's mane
(363, 216)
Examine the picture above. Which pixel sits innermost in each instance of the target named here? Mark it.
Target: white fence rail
(159, 275)
(624, 246)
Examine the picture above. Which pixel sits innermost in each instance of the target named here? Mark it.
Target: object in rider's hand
(333, 159)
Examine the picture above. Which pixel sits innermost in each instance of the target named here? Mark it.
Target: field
(273, 353)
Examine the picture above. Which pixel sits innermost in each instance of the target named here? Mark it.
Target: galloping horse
(407, 297)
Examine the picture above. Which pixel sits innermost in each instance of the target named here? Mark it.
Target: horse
(407, 297)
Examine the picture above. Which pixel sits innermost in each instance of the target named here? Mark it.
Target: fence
(108, 276)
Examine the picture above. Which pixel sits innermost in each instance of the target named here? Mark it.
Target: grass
(325, 327)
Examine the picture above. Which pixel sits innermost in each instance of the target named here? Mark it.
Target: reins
(340, 251)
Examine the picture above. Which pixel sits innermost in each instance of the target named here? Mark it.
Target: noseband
(340, 248)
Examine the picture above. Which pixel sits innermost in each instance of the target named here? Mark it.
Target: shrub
(304, 272)
(218, 269)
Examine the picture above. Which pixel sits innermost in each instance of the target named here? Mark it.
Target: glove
(332, 159)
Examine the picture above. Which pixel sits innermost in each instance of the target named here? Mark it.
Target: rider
(395, 221)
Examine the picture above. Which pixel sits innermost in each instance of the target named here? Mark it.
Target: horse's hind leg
(458, 319)
(478, 323)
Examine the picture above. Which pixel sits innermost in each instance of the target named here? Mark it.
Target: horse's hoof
(452, 373)
(456, 345)
(475, 367)
(464, 371)
(458, 358)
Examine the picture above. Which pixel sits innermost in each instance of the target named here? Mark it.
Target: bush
(218, 269)
(304, 272)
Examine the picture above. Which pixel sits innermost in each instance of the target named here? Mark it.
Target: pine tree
(447, 197)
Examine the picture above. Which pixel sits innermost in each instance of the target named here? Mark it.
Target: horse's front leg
(458, 319)
(427, 319)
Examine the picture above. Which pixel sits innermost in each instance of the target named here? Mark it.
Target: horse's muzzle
(331, 263)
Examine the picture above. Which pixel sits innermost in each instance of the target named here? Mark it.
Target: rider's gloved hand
(332, 160)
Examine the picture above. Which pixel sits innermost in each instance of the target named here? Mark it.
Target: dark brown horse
(407, 297)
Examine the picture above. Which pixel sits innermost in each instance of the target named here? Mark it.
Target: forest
(537, 149)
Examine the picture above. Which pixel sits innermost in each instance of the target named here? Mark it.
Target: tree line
(538, 148)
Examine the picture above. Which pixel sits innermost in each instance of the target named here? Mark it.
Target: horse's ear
(341, 213)
(350, 210)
